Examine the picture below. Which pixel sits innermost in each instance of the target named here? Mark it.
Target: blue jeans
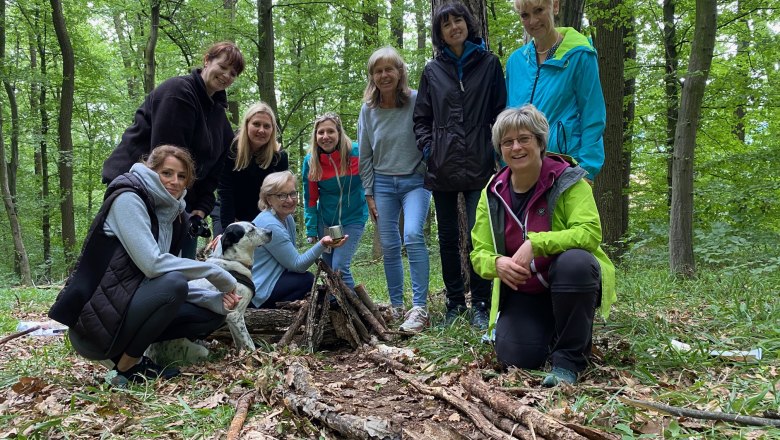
(391, 193)
(340, 258)
(446, 204)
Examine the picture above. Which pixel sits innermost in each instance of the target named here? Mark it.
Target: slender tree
(265, 53)
(671, 84)
(8, 200)
(151, 45)
(681, 259)
(65, 161)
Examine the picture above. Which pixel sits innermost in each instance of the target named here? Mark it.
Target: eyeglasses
(523, 141)
(285, 196)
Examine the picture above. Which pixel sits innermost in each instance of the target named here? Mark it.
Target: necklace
(555, 45)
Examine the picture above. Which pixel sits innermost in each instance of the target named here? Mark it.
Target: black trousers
(555, 325)
(157, 312)
(291, 286)
(446, 204)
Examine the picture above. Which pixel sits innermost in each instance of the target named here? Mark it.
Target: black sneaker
(480, 317)
(145, 370)
(453, 313)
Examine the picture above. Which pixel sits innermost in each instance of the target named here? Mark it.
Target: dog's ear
(232, 235)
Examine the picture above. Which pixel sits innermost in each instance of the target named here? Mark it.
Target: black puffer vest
(95, 298)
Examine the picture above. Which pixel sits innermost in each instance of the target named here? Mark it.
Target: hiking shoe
(144, 370)
(480, 317)
(559, 375)
(453, 313)
(416, 320)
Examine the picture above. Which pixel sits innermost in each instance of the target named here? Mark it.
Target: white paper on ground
(48, 328)
(753, 355)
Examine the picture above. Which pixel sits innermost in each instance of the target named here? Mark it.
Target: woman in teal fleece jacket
(333, 193)
(537, 235)
(557, 71)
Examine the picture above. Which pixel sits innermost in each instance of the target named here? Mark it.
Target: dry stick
(314, 301)
(392, 364)
(507, 425)
(242, 408)
(319, 329)
(293, 328)
(508, 406)
(354, 324)
(19, 334)
(468, 408)
(361, 308)
(363, 294)
(698, 414)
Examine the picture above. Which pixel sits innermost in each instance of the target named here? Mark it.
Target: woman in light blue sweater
(279, 271)
(392, 170)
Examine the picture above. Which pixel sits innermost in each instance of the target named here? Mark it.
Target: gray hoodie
(129, 222)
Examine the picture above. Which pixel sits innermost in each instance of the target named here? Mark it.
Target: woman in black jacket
(462, 90)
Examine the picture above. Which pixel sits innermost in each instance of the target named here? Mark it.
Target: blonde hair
(271, 185)
(371, 94)
(155, 159)
(241, 148)
(344, 147)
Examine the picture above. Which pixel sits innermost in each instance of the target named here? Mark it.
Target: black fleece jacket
(179, 112)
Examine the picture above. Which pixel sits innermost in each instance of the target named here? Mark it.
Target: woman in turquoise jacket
(333, 192)
(537, 235)
(557, 72)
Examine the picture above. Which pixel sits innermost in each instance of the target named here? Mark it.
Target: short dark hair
(233, 55)
(443, 13)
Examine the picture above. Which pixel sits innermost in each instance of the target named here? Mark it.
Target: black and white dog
(234, 252)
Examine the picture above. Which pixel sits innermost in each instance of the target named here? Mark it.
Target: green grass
(718, 310)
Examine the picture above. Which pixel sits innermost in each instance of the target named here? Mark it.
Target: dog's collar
(244, 280)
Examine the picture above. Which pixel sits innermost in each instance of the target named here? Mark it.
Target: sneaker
(558, 375)
(453, 313)
(416, 320)
(145, 370)
(480, 317)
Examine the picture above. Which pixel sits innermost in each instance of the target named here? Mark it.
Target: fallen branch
(509, 426)
(19, 334)
(466, 407)
(698, 414)
(293, 328)
(242, 408)
(392, 364)
(528, 416)
(364, 296)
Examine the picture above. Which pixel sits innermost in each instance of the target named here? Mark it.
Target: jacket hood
(573, 42)
(166, 206)
(469, 47)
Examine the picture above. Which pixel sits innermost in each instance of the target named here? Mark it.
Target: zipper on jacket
(533, 91)
(461, 86)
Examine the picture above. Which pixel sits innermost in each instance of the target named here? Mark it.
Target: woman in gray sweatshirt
(129, 289)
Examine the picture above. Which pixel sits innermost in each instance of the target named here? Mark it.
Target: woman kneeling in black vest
(129, 289)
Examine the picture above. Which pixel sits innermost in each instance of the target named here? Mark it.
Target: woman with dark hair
(462, 90)
(392, 169)
(129, 289)
(189, 112)
(254, 154)
(538, 235)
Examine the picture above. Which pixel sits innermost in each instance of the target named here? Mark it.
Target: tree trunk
(151, 45)
(127, 60)
(743, 73)
(370, 23)
(8, 200)
(38, 107)
(570, 13)
(681, 258)
(610, 187)
(265, 52)
(397, 22)
(671, 88)
(65, 162)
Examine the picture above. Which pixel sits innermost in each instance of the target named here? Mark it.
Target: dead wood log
(19, 334)
(528, 416)
(315, 302)
(354, 325)
(466, 407)
(306, 400)
(361, 291)
(357, 302)
(511, 427)
(242, 408)
(270, 324)
(292, 329)
(698, 414)
(324, 313)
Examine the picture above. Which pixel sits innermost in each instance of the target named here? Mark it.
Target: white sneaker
(416, 320)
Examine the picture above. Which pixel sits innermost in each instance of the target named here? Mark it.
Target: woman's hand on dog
(329, 242)
(230, 300)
